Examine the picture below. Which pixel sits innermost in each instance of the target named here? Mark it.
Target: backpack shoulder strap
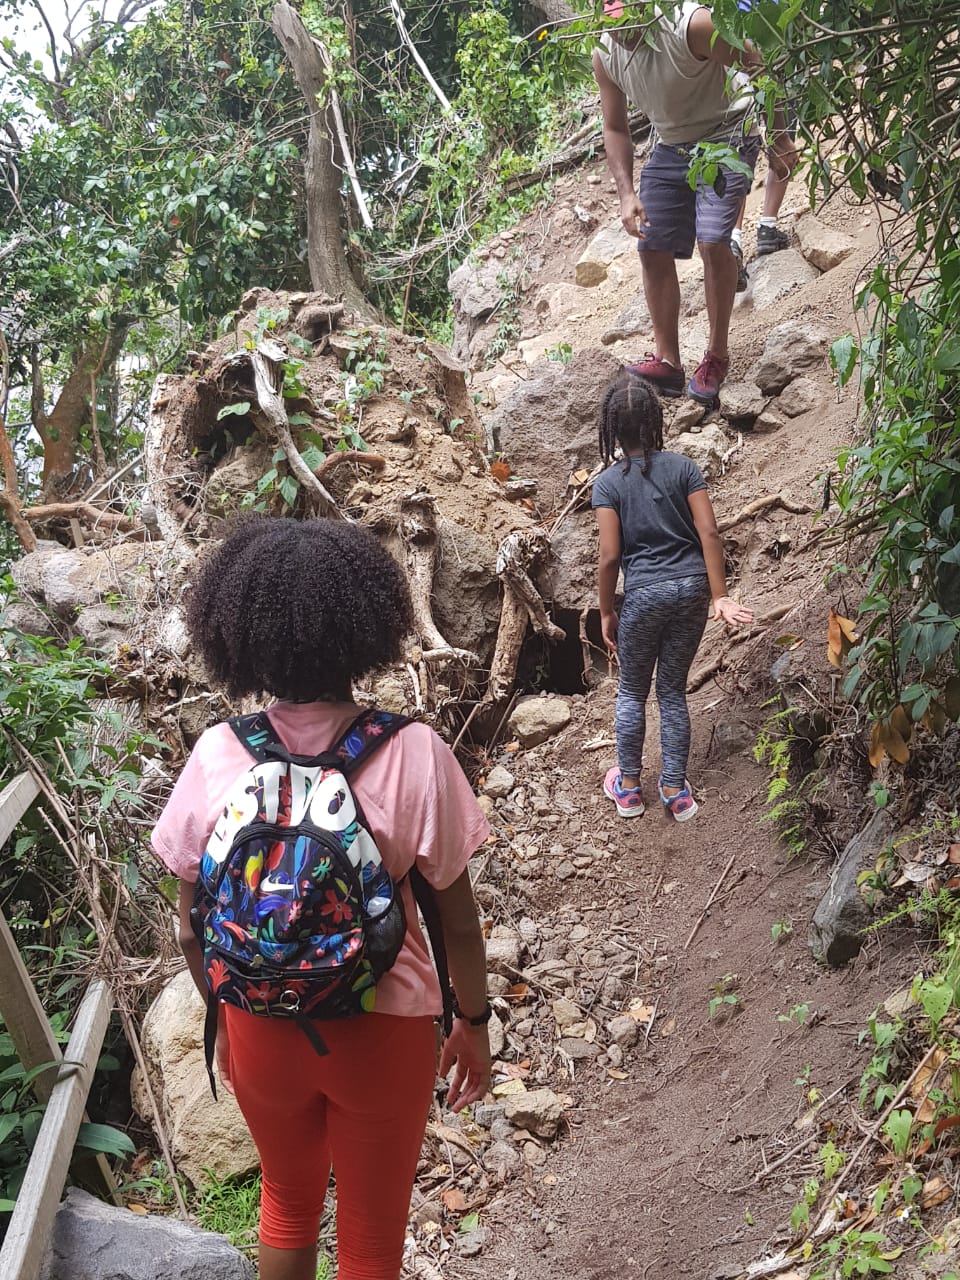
(259, 737)
(370, 730)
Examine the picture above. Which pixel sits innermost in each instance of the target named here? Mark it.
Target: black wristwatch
(480, 1021)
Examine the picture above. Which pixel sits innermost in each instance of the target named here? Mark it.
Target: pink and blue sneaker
(629, 800)
(682, 805)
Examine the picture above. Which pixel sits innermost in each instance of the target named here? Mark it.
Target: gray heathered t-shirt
(659, 539)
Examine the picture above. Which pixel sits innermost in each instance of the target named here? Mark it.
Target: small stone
(575, 1048)
(741, 401)
(473, 1243)
(518, 489)
(527, 927)
(821, 245)
(499, 783)
(624, 1031)
(534, 1154)
(594, 263)
(502, 1156)
(484, 1113)
(774, 277)
(539, 1110)
(683, 415)
(497, 1036)
(732, 736)
(900, 1003)
(792, 348)
(803, 395)
(485, 805)
(534, 720)
(707, 450)
(614, 1055)
(501, 1130)
(503, 950)
(564, 871)
(768, 421)
(566, 1013)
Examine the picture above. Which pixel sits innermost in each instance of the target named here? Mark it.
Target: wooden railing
(63, 1087)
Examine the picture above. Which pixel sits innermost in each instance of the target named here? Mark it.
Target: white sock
(766, 221)
(736, 235)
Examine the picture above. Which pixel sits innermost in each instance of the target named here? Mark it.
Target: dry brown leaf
(948, 1122)
(848, 629)
(924, 1076)
(641, 1012)
(516, 1070)
(579, 477)
(668, 1028)
(953, 854)
(506, 1087)
(511, 747)
(454, 1201)
(550, 1180)
(951, 698)
(894, 743)
(616, 1074)
(500, 471)
(900, 719)
(876, 752)
(519, 991)
(935, 1191)
(135, 1207)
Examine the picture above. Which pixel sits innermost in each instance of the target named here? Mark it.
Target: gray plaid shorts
(678, 216)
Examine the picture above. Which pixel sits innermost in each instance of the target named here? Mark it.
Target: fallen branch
(82, 511)
(703, 914)
(572, 156)
(763, 504)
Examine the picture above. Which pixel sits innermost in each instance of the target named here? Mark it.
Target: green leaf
(289, 488)
(469, 1223)
(844, 354)
(897, 1127)
(936, 996)
(948, 357)
(239, 409)
(9, 1121)
(106, 1139)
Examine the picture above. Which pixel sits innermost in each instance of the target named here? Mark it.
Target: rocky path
(689, 1048)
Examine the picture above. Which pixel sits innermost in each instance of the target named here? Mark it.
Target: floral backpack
(296, 913)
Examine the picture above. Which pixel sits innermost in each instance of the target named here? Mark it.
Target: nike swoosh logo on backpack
(274, 886)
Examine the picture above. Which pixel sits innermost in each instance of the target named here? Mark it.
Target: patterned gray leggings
(661, 624)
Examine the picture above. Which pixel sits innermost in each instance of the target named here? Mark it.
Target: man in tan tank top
(676, 73)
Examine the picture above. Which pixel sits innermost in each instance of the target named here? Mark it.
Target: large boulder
(206, 1137)
(95, 1241)
(547, 427)
(792, 348)
(821, 245)
(802, 396)
(478, 289)
(775, 276)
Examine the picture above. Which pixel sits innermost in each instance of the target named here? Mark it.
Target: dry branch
(417, 529)
(372, 460)
(763, 504)
(82, 511)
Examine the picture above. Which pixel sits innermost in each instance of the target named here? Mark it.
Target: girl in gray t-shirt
(657, 524)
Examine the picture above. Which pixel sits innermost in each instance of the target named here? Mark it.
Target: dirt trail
(661, 1170)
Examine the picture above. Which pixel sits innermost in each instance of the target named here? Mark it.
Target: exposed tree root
(522, 603)
(763, 504)
(269, 415)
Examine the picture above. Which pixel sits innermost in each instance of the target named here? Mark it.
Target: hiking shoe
(743, 280)
(667, 380)
(706, 382)
(682, 805)
(629, 800)
(771, 240)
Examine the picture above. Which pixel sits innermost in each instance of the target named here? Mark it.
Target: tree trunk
(554, 10)
(326, 252)
(59, 430)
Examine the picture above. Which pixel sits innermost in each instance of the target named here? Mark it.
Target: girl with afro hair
(301, 610)
(656, 522)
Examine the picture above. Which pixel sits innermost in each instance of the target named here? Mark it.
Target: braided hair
(630, 418)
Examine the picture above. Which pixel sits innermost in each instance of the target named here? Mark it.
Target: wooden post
(31, 1223)
(20, 1006)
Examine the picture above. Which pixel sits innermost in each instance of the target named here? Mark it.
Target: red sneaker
(667, 380)
(706, 382)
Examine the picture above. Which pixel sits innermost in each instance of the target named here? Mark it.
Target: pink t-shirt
(416, 800)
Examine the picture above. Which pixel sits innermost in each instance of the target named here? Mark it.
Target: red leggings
(362, 1108)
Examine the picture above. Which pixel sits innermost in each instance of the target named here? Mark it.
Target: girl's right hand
(469, 1048)
(731, 611)
(609, 629)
